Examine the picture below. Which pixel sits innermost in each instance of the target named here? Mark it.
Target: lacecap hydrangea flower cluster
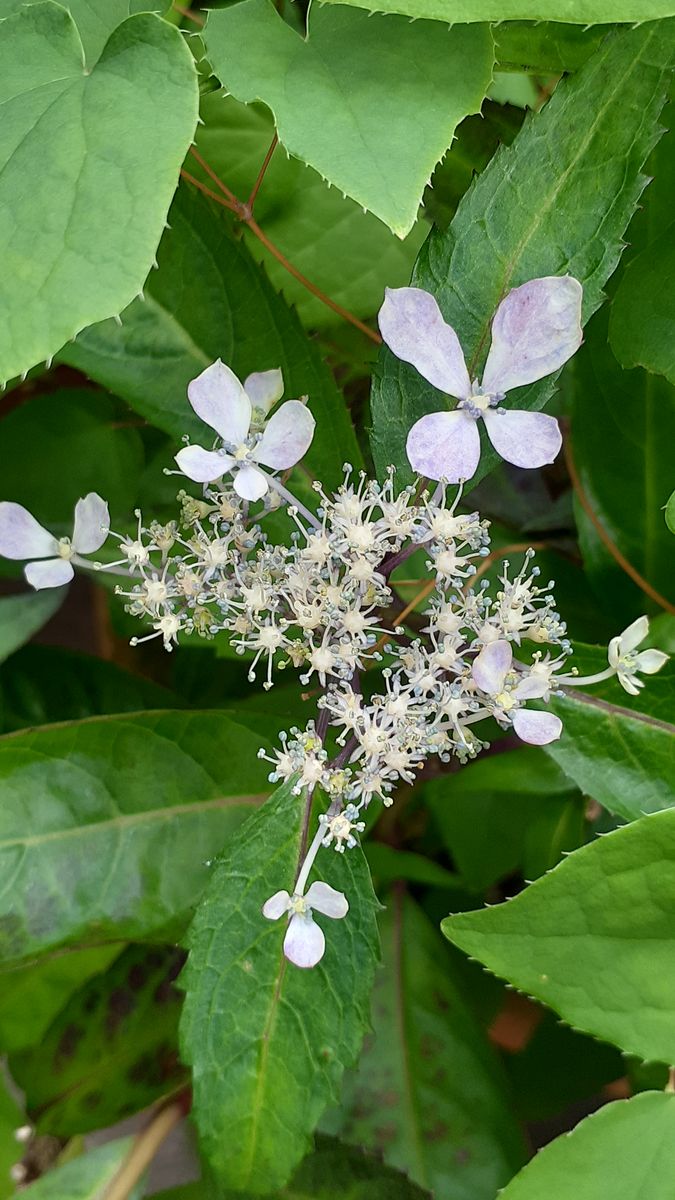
(324, 604)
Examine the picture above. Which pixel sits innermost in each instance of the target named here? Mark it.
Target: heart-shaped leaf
(577, 12)
(105, 147)
(386, 95)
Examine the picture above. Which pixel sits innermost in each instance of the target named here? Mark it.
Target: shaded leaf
(11, 1118)
(593, 939)
(425, 77)
(555, 201)
(33, 995)
(428, 1093)
(210, 300)
(559, 1067)
(22, 616)
(545, 47)
(84, 1178)
(268, 1042)
(106, 212)
(578, 12)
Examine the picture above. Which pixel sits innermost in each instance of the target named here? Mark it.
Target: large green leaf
(32, 996)
(411, 1099)
(626, 1151)
(643, 315)
(386, 95)
(210, 300)
(595, 938)
(22, 616)
(544, 47)
(576, 12)
(11, 1118)
(90, 256)
(84, 1178)
(634, 412)
(107, 825)
(111, 1051)
(268, 1042)
(617, 748)
(344, 251)
(557, 200)
(95, 19)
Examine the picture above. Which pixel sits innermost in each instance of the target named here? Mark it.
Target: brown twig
(606, 539)
(244, 213)
(261, 173)
(145, 1148)
(185, 12)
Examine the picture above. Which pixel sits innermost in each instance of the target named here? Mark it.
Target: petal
(535, 330)
(219, 399)
(412, 325)
(537, 728)
(250, 483)
(444, 445)
(264, 388)
(650, 661)
(92, 523)
(630, 638)
(49, 573)
(630, 682)
(526, 439)
(304, 943)
(325, 899)
(203, 466)
(490, 667)
(276, 906)
(21, 536)
(287, 436)
(614, 652)
(532, 687)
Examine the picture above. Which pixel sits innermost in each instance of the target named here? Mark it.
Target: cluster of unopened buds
(323, 601)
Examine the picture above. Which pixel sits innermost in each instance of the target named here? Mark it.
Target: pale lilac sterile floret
(536, 329)
(22, 537)
(494, 674)
(304, 943)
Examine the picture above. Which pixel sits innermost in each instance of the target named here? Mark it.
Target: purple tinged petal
(444, 445)
(203, 466)
(536, 329)
(276, 906)
(304, 943)
(21, 536)
(92, 524)
(250, 483)
(220, 401)
(264, 388)
(537, 728)
(491, 665)
(287, 436)
(412, 325)
(532, 687)
(526, 439)
(325, 899)
(48, 573)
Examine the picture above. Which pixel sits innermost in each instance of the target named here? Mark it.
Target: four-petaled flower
(493, 673)
(627, 660)
(535, 330)
(304, 943)
(237, 414)
(22, 537)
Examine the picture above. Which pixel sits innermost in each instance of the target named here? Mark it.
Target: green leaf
(626, 1151)
(210, 300)
(635, 412)
(95, 19)
(22, 616)
(411, 1099)
(346, 252)
(388, 866)
(69, 426)
(11, 1118)
(576, 12)
(617, 748)
(332, 1170)
(559, 1067)
(32, 996)
(111, 1051)
(532, 810)
(544, 47)
(106, 211)
(425, 78)
(106, 825)
(670, 512)
(555, 201)
(594, 938)
(268, 1042)
(84, 1178)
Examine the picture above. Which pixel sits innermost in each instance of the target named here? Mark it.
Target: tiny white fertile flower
(490, 672)
(535, 330)
(22, 537)
(236, 412)
(627, 660)
(339, 829)
(305, 943)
